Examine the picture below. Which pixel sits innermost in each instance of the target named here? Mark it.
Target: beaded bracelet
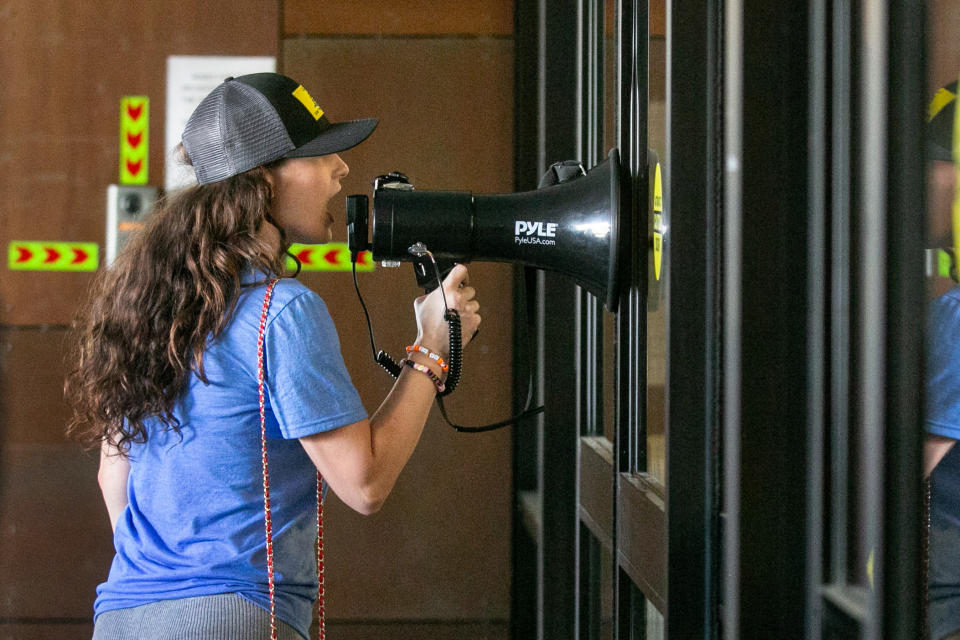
(430, 354)
(437, 382)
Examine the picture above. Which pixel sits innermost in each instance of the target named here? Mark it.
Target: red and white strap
(268, 523)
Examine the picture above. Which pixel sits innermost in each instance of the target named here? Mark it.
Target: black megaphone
(579, 227)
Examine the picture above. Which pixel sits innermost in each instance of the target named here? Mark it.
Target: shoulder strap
(268, 523)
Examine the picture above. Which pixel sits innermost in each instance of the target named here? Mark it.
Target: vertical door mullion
(558, 298)
(872, 284)
(906, 91)
(840, 289)
(816, 315)
(732, 296)
(630, 445)
(525, 476)
(692, 192)
(625, 325)
(591, 135)
(589, 328)
(766, 219)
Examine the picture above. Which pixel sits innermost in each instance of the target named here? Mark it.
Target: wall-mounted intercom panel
(127, 211)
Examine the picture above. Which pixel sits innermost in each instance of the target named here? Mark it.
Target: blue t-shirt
(194, 524)
(943, 419)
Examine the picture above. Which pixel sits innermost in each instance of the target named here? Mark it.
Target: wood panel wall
(439, 76)
(943, 47)
(401, 18)
(65, 67)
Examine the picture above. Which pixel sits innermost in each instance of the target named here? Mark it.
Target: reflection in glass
(941, 457)
(655, 627)
(609, 136)
(658, 297)
(646, 621)
(609, 346)
(606, 595)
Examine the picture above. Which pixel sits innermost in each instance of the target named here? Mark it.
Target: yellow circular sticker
(658, 227)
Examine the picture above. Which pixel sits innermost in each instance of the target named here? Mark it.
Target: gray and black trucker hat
(259, 118)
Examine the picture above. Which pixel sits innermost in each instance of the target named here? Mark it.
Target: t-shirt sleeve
(943, 368)
(307, 381)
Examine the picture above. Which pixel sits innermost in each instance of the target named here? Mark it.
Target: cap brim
(339, 137)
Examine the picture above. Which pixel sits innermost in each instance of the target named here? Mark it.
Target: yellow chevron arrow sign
(333, 256)
(53, 256)
(134, 139)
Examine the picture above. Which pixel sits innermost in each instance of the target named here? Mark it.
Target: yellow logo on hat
(940, 100)
(301, 94)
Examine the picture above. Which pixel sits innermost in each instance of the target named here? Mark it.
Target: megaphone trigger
(430, 272)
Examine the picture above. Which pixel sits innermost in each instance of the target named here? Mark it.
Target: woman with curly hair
(215, 388)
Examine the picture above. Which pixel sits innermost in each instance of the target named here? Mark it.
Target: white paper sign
(189, 80)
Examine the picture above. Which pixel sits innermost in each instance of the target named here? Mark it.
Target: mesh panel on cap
(253, 132)
(233, 130)
(203, 141)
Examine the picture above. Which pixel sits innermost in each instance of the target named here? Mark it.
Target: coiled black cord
(392, 367)
(456, 364)
(456, 352)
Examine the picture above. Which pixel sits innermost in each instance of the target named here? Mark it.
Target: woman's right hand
(432, 330)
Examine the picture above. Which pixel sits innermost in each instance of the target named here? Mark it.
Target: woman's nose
(342, 169)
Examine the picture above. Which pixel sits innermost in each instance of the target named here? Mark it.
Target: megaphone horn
(579, 228)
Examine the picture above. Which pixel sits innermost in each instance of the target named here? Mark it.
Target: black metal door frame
(793, 418)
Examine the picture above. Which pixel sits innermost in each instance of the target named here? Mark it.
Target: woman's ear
(181, 156)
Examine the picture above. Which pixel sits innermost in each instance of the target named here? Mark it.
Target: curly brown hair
(149, 316)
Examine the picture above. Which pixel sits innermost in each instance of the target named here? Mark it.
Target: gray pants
(220, 617)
